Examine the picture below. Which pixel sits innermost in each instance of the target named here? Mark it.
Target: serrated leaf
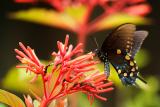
(18, 80)
(120, 18)
(10, 99)
(68, 19)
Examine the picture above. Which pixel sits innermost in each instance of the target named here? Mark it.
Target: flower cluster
(68, 74)
(129, 6)
(132, 8)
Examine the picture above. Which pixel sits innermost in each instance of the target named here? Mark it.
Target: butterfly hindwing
(139, 37)
(125, 66)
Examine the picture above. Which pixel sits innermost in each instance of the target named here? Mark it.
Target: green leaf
(114, 77)
(120, 18)
(68, 19)
(36, 103)
(142, 58)
(19, 80)
(76, 12)
(142, 98)
(84, 102)
(113, 74)
(2, 105)
(10, 99)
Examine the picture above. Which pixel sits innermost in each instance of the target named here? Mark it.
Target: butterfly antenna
(95, 41)
(142, 79)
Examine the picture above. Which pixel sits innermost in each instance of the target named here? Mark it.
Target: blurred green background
(43, 40)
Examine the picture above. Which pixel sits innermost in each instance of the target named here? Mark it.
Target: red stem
(54, 97)
(119, 5)
(82, 38)
(44, 87)
(44, 103)
(82, 29)
(93, 24)
(88, 14)
(47, 99)
(56, 83)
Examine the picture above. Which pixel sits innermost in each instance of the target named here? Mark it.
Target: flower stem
(82, 39)
(44, 87)
(44, 103)
(83, 29)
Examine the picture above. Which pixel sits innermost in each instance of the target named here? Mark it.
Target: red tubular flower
(73, 73)
(29, 58)
(68, 75)
(28, 101)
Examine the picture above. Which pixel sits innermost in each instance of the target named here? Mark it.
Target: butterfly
(119, 49)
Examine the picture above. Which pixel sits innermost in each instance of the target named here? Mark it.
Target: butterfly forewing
(121, 38)
(125, 38)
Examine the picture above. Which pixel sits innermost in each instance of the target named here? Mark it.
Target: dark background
(43, 38)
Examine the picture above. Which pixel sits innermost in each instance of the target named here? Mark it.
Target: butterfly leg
(106, 68)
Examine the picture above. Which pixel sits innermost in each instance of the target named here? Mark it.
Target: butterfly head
(97, 52)
(101, 55)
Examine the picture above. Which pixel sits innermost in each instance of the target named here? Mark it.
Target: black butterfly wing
(121, 46)
(121, 38)
(125, 38)
(138, 39)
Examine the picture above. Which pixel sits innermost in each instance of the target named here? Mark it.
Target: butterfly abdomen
(103, 57)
